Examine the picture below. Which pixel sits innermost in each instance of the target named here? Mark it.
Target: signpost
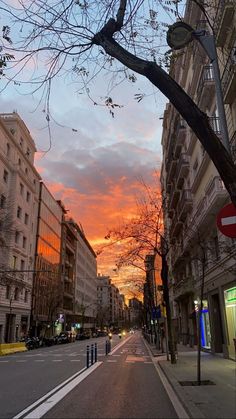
(226, 221)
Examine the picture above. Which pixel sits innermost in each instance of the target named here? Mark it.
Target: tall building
(194, 193)
(109, 303)
(47, 285)
(19, 190)
(85, 280)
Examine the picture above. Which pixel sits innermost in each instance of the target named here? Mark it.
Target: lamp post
(181, 34)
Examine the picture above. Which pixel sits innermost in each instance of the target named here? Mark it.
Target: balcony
(206, 87)
(171, 164)
(224, 19)
(215, 124)
(183, 288)
(180, 138)
(182, 169)
(185, 204)
(228, 79)
(175, 228)
(200, 172)
(174, 196)
(216, 195)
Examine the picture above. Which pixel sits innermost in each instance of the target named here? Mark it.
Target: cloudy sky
(90, 160)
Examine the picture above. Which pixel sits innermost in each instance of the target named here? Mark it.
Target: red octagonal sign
(226, 220)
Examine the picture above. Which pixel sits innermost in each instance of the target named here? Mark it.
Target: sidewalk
(205, 401)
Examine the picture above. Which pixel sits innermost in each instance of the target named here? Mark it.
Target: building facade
(194, 193)
(47, 285)
(19, 190)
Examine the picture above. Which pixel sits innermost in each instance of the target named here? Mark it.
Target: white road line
(56, 360)
(21, 360)
(19, 415)
(4, 361)
(47, 405)
(74, 360)
(120, 345)
(39, 360)
(179, 408)
(111, 360)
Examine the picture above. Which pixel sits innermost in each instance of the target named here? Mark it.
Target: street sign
(226, 221)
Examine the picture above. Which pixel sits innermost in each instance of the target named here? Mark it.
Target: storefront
(205, 324)
(230, 310)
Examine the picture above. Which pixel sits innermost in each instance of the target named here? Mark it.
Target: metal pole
(95, 352)
(208, 44)
(87, 353)
(92, 354)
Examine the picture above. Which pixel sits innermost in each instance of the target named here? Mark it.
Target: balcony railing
(215, 124)
(206, 86)
(182, 169)
(228, 80)
(223, 20)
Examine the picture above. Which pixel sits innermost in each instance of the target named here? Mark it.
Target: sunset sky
(92, 161)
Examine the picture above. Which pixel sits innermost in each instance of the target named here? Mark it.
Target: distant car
(82, 336)
(101, 334)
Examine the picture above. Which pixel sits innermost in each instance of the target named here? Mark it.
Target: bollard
(87, 353)
(92, 354)
(109, 346)
(106, 347)
(95, 352)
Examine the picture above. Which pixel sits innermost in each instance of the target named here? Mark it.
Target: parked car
(82, 336)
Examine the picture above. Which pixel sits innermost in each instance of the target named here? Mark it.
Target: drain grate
(195, 383)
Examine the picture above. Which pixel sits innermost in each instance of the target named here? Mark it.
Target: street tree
(85, 38)
(144, 235)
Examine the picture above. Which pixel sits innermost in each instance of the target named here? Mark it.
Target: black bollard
(92, 354)
(106, 347)
(95, 352)
(87, 353)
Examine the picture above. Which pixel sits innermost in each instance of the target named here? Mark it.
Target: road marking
(47, 405)
(111, 360)
(56, 360)
(228, 220)
(4, 361)
(179, 408)
(74, 360)
(39, 360)
(120, 345)
(21, 360)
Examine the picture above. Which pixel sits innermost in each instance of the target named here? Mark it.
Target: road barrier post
(92, 354)
(106, 347)
(87, 353)
(95, 352)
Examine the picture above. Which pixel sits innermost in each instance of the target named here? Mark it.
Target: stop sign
(226, 220)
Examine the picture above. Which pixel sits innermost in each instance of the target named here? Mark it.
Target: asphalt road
(124, 384)
(27, 376)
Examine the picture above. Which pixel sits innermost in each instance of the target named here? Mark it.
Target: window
(21, 188)
(17, 236)
(19, 212)
(8, 149)
(21, 141)
(19, 162)
(14, 262)
(28, 196)
(16, 294)
(5, 176)
(26, 218)
(8, 292)
(22, 265)
(28, 152)
(24, 242)
(2, 202)
(26, 296)
(26, 171)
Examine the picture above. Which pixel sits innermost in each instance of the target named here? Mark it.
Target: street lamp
(181, 34)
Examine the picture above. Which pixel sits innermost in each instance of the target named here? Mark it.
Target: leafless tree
(84, 38)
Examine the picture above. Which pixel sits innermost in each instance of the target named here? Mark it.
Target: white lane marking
(120, 345)
(111, 360)
(19, 415)
(228, 220)
(56, 360)
(47, 405)
(74, 360)
(21, 360)
(179, 408)
(4, 361)
(39, 360)
(117, 355)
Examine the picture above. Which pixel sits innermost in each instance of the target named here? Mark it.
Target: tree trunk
(164, 277)
(196, 119)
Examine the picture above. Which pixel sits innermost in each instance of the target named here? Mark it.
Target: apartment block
(194, 193)
(19, 191)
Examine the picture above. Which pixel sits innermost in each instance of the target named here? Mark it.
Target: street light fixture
(181, 34)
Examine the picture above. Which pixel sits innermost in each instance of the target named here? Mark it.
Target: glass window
(17, 236)
(8, 149)
(28, 196)
(26, 296)
(26, 218)
(22, 265)
(21, 188)
(14, 262)
(8, 292)
(3, 202)
(24, 242)
(5, 176)
(19, 212)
